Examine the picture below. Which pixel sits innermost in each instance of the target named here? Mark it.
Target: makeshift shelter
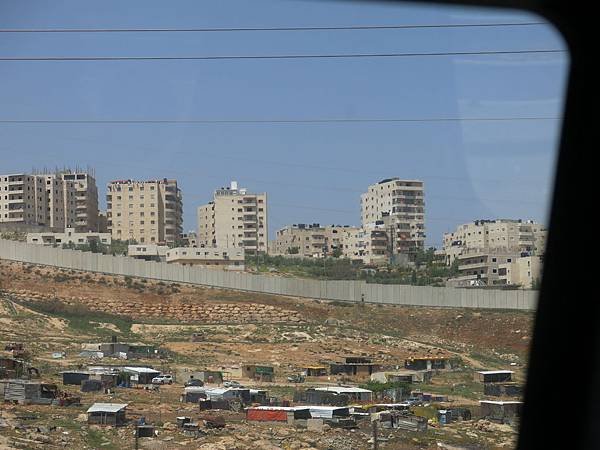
(75, 377)
(28, 392)
(328, 412)
(503, 389)
(315, 371)
(428, 363)
(354, 366)
(258, 372)
(406, 376)
(353, 393)
(141, 375)
(11, 367)
(112, 414)
(494, 376)
(277, 413)
(501, 411)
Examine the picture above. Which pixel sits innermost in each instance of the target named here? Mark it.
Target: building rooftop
(492, 372)
(107, 407)
(342, 389)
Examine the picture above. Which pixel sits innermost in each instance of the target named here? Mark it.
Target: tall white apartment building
(53, 201)
(234, 218)
(399, 206)
(80, 201)
(24, 200)
(148, 212)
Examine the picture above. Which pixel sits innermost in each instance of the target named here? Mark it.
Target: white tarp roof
(325, 412)
(343, 389)
(107, 407)
(491, 372)
(499, 402)
(140, 370)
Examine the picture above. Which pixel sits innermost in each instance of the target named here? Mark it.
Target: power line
(267, 29)
(278, 57)
(277, 121)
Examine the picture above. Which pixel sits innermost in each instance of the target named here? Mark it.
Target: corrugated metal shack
(503, 389)
(494, 376)
(11, 367)
(428, 363)
(28, 392)
(258, 372)
(358, 366)
(112, 414)
(501, 411)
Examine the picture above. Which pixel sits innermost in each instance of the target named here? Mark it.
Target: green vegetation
(426, 271)
(80, 317)
(14, 236)
(116, 247)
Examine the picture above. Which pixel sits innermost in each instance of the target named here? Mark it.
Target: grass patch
(80, 317)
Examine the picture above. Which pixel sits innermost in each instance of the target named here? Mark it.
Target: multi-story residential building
(189, 239)
(69, 236)
(80, 200)
(503, 234)
(370, 245)
(310, 240)
(24, 201)
(234, 218)
(481, 267)
(145, 211)
(212, 257)
(63, 199)
(102, 222)
(525, 272)
(399, 205)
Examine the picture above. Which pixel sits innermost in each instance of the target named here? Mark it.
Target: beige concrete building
(234, 218)
(189, 239)
(70, 236)
(399, 206)
(481, 267)
(80, 200)
(525, 272)
(148, 252)
(309, 240)
(213, 257)
(503, 234)
(371, 245)
(51, 201)
(148, 212)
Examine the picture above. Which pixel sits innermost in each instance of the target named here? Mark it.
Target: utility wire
(276, 121)
(252, 29)
(278, 57)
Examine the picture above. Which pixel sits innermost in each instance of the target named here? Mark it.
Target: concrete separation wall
(346, 290)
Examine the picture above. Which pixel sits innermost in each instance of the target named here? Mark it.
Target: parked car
(163, 379)
(296, 378)
(194, 382)
(232, 384)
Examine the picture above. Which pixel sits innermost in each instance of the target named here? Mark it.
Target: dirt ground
(479, 339)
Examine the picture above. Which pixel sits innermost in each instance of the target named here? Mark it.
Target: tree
(293, 250)
(337, 252)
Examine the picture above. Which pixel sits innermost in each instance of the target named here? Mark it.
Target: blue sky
(312, 172)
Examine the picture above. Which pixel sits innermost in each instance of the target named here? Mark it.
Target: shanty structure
(353, 393)
(428, 363)
(406, 376)
(28, 392)
(140, 375)
(315, 371)
(494, 376)
(501, 411)
(503, 389)
(122, 349)
(206, 376)
(277, 413)
(258, 372)
(11, 367)
(357, 366)
(112, 414)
